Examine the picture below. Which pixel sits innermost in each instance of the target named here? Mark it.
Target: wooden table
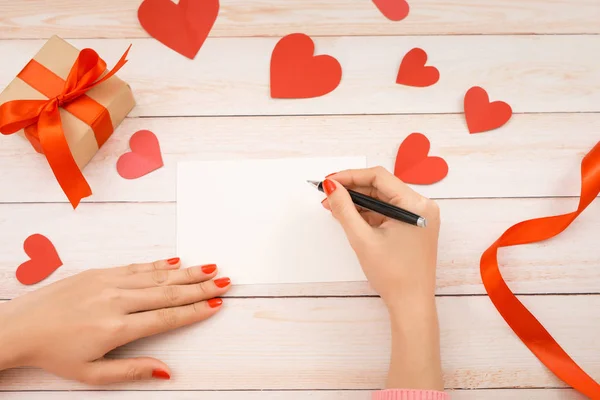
(331, 341)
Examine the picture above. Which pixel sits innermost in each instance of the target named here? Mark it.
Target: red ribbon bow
(41, 119)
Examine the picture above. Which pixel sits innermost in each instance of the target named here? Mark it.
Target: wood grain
(110, 234)
(343, 343)
(488, 394)
(118, 18)
(535, 155)
(218, 107)
(231, 75)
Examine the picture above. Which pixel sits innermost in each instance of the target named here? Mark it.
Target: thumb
(344, 210)
(105, 371)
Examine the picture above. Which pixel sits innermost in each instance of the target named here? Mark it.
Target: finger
(173, 295)
(369, 191)
(106, 371)
(171, 263)
(374, 219)
(150, 323)
(345, 211)
(352, 179)
(388, 187)
(162, 277)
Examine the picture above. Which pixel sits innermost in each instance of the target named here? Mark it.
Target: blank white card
(261, 222)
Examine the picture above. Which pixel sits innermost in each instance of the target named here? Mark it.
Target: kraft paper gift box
(67, 104)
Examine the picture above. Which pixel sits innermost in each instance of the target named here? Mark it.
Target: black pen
(381, 207)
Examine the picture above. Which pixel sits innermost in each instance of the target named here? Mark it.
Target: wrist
(418, 291)
(411, 308)
(416, 362)
(415, 324)
(11, 348)
(417, 320)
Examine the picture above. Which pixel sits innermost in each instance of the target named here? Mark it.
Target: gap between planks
(69, 38)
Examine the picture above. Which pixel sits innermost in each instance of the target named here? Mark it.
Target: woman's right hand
(398, 259)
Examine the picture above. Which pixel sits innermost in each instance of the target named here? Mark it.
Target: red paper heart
(413, 72)
(182, 27)
(297, 73)
(481, 115)
(395, 10)
(44, 260)
(413, 165)
(144, 157)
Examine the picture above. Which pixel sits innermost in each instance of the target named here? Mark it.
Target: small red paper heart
(395, 10)
(182, 27)
(413, 72)
(144, 157)
(297, 73)
(44, 260)
(413, 165)
(481, 115)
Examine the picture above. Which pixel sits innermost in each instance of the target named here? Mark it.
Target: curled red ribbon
(516, 315)
(41, 119)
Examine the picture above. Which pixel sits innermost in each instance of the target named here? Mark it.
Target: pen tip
(313, 183)
(421, 222)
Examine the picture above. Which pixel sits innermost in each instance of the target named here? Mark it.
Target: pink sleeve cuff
(403, 394)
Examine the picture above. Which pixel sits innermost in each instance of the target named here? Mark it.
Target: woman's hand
(399, 261)
(67, 327)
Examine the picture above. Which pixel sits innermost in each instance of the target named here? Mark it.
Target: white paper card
(261, 222)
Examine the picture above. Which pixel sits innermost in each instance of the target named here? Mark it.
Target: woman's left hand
(68, 327)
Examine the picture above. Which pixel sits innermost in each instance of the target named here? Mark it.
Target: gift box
(66, 104)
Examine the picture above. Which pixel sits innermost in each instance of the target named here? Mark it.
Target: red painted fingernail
(331, 175)
(328, 187)
(222, 282)
(173, 260)
(209, 269)
(214, 303)
(160, 374)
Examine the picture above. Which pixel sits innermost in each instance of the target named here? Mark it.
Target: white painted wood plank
(343, 343)
(536, 155)
(488, 394)
(117, 18)
(231, 75)
(105, 235)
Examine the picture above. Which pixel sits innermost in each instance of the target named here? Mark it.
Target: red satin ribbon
(84, 107)
(516, 315)
(41, 118)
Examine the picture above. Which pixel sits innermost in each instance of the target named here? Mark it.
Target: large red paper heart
(413, 165)
(413, 72)
(182, 27)
(395, 10)
(44, 260)
(297, 73)
(481, 115)
(144, 157)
